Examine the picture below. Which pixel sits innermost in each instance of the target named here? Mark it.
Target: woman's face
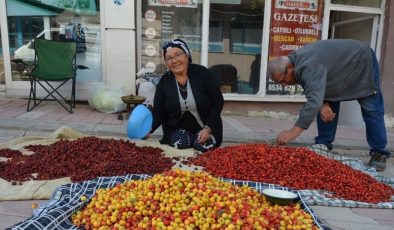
(177, 61)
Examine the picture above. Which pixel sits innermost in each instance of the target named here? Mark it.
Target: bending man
(331, 71)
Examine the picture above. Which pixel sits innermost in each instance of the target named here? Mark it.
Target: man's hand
(286, 136)
(326, 113)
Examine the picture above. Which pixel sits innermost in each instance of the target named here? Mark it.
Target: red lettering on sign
(297, 4)
(178, 2)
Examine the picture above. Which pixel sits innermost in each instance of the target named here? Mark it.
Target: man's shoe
(378, 161)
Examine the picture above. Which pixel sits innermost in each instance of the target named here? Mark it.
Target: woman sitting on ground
(188, 102)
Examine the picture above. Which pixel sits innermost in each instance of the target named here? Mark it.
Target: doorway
(2, 72)
(362, 27)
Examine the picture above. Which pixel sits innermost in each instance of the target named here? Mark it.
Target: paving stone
(9, 220)
(345, 225)
(6, 139)
(12, 133)
(34, 114)
(384, 216)
(20, 208)
(13, 212)
(107, 130)
(236, 125)
(339, 213)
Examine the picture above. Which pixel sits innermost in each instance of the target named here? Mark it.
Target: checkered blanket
(314, 197)
(66, 200)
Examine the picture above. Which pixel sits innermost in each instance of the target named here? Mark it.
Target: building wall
(387, 64)
(283, 110)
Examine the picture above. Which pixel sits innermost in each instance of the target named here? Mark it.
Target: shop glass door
(352, 25)
(362, 27)
(2, 72)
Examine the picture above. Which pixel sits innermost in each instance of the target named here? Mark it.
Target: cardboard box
(225, 88)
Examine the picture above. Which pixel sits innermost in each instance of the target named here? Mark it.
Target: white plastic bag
(147, 89)
(146, 85)
(106, 99)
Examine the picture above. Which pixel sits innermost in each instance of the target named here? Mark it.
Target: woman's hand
(326, 113)
(147, 135)
(204, 135)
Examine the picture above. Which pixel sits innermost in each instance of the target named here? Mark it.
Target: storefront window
(245, 37)
(215, 36)
(367, 3)
(236, 65)
(162, 22)
(64, 20)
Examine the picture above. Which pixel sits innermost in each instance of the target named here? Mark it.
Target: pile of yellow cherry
(180, 199)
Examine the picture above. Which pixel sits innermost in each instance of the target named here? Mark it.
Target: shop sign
(150, 33)
(302, 5)
(150, 67)
(235, 2)
(150, 50)
(176, 3)
(294, 23)
(79, 6)
(150, 15)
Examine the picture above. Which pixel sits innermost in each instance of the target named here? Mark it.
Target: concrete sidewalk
(49, 116)
(16, 122)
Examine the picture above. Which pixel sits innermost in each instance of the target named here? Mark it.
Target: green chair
(54, 65)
